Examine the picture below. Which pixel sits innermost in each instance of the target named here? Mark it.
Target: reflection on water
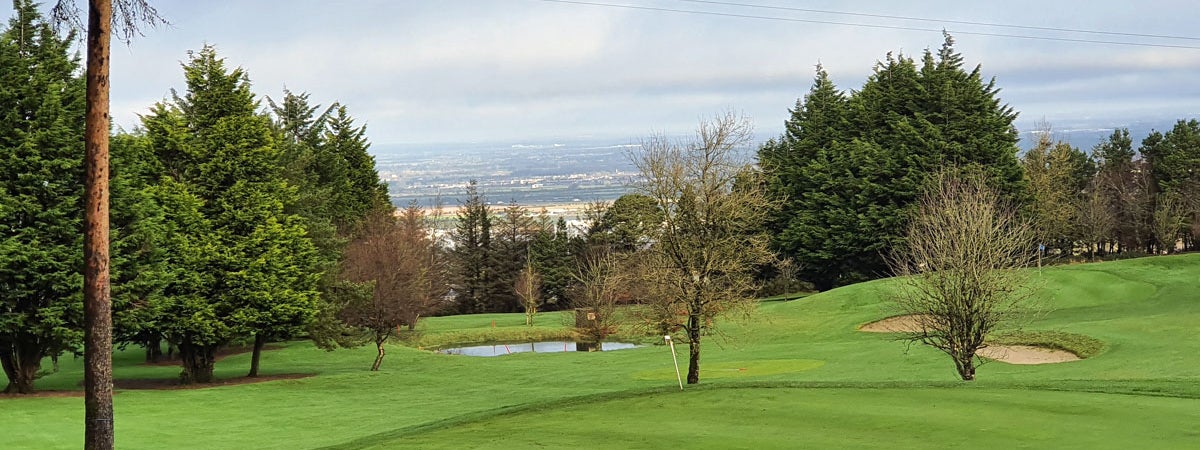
(536, 347)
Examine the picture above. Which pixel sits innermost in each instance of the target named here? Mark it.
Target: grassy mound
(1081, 345)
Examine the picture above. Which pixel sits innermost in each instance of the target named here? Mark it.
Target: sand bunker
(896, 324)
(1026, 354)
(1012, 354)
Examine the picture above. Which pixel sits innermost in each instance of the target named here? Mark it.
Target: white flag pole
(676, 360)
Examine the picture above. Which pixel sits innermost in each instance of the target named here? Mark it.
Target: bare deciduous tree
(710, 243)
(397, 275)
(1168, 221)
(529, 289)
(598, 285)
(1096, 221)
(961, 276)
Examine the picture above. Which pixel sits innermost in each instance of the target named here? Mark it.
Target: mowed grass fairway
(797, 374)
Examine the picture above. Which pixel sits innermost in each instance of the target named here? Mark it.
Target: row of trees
(1116, 199)
(499, 256)
(227, 221)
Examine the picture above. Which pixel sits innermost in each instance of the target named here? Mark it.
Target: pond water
(535, 347)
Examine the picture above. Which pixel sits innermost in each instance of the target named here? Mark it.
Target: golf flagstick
(676, 360)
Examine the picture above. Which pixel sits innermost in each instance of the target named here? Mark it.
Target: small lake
(535, 347)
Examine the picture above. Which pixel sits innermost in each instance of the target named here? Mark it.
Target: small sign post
(674, 359)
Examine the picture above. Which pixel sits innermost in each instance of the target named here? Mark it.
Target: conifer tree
(848, 169)
(472, 253)
(41, 188)
(259, 272)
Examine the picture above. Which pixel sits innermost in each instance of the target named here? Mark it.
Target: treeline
(229, 218)
(850, 165)
(1115, 200)
(511, 260)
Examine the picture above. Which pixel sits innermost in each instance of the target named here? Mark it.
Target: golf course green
(796, 374)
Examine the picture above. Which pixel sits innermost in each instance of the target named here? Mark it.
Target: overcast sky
(425, 71)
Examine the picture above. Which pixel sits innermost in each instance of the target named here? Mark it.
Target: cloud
(425, 71)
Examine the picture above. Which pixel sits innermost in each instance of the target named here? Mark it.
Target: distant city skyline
(424, 71)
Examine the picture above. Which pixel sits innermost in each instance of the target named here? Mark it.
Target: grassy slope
(872, 391)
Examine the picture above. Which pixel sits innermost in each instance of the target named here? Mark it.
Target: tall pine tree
(41, 188)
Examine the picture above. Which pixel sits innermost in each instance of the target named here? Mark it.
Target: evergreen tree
(357, 190)
(472, 253)
(139, 270)
(512, 239)
(258, 264)
(1122, 183)
(1115, 153)
(1174, 158)
(554, 259)
(630, 223)
(41, 186)
(848, 170)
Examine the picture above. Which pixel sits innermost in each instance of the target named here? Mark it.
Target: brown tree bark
(197, 363)
(21, 365)
(966, 366)
(259, 341)
(378, 359)
(97, 377)
(693, 331)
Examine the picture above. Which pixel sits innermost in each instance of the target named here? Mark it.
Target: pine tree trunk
(259, 340)
(97, 309)
(693, 330)
(378, 359)
(197, 363)
(21, 365)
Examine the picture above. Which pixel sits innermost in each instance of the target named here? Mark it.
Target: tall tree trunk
(693, 330)
(259, 340)
(21, 365)
(97, 310)
(197, 363)
(379, 358)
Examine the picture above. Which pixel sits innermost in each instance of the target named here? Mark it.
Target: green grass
(1081, 345)
(795, 374)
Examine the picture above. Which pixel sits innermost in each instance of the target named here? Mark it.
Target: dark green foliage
(324, 156)
(630, 223)
(554, 259)
(1115, 153)
(512, 239)
(849, 167)
(472, 254)
(1174, 157)
(41, 185)
(241, 264)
